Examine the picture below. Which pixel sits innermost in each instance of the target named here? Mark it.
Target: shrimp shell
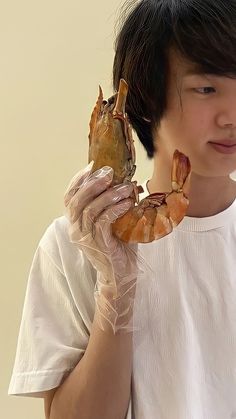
(111, 144)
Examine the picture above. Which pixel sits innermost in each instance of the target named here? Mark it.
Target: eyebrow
(196, 72)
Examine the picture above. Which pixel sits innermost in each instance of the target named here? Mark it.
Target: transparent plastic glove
(91, 206)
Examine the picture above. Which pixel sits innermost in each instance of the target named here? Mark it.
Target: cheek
(188, 127)
(194, 123)
(197, 112)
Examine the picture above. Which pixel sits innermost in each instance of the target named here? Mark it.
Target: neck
(207, 197)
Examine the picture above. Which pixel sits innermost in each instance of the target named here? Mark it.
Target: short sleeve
(52, 336)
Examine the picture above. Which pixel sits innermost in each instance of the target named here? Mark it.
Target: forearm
(99, 386)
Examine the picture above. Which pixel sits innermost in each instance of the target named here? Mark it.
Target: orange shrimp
(111, 144)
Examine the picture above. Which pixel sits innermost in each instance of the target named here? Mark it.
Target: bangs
(204, 32)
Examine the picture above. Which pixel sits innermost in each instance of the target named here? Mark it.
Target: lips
(224, 147)
(225, 143)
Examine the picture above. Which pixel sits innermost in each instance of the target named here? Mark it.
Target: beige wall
(53, 54)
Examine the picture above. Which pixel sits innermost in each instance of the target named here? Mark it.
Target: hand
(92, 205)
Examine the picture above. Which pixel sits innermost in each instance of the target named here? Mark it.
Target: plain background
(54, 54)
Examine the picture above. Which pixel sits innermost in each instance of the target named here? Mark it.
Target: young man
(179, 59)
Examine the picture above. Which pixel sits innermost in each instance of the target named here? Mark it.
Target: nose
(223, 121)
(226, 117)
(229, 125)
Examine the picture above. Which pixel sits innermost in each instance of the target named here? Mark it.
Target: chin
(214, 171)
(215, 167)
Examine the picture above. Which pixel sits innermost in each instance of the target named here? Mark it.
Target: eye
(207, 89)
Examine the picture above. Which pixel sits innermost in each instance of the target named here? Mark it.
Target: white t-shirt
(184, 364)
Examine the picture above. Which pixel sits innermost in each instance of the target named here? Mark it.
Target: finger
(92, 186)
(111, 214)
(77, 181)
(102, 232)
(97, 206)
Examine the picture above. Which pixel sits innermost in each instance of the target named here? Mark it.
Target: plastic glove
(91, 206)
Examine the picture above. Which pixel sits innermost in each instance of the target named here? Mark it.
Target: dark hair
(203, 31)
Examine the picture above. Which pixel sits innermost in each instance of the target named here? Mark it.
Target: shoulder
(56, 233)
(56, 244)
